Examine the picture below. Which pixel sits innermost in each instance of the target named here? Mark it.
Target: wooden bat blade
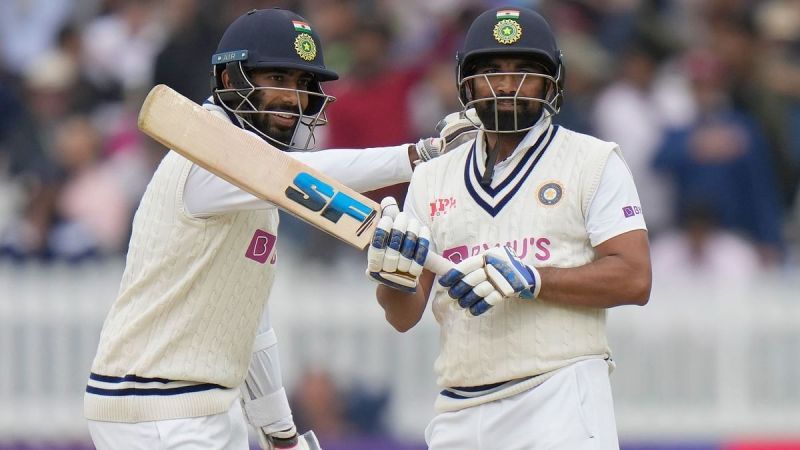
(250, 163)
(247, 161)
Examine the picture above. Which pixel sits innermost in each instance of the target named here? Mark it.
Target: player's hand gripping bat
(250, 163)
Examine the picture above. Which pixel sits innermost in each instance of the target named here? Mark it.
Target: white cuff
(265, 340)
(268, 409)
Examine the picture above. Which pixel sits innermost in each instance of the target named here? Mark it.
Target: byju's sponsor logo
(539, 247)
(630, 211)
(262, 247)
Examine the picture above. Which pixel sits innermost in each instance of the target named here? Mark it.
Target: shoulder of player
(584, 141)
(443, 161)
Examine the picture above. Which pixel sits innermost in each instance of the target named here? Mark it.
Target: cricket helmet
(263, 39)
(513, 32)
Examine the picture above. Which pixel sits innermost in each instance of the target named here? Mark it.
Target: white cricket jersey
(551, 201)
(178, 339)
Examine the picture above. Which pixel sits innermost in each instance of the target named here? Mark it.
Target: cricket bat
(252, 164)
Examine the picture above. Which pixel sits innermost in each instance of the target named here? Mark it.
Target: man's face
(284, 98)
(508, 77)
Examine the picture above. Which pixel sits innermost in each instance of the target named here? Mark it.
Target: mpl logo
(262, 247)
(630, 211)
(442, 206)
(316, 195)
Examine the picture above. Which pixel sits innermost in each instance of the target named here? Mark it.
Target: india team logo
(507, 31)
(550, 193)
(305, 47)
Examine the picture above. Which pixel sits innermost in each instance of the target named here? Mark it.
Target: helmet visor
(510, 102)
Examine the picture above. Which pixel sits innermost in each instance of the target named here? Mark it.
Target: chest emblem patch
(550, 193)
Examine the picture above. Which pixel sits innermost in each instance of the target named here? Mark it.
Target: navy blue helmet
(271, 39)
(512, 32)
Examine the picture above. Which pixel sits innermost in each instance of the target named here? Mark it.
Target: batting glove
(482, 281)
(398, 249)
(455, 129)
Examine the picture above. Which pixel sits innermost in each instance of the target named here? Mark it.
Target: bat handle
(437, 263)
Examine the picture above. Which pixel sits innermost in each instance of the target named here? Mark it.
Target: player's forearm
(403, 310)
(610, 281)
(362, 170)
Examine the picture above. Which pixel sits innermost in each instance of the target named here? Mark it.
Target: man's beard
(263, 123)
(527, 114)
(281, 134)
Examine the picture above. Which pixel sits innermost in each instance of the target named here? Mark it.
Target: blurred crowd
(703, 97)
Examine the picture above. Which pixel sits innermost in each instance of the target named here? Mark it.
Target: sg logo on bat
(316, 195)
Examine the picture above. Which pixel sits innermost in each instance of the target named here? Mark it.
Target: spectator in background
(48, 98)
(120, 47)
(373, 90)
(432, 97)
(79, 210)
(722, 159)
(588, 69)
(183, 61)
(336, 414)
(318, 404)
(29, 28)
(778, 22)
(734, 38)
(91, 206)
(335, 21)
(634, 111)
(701, 250)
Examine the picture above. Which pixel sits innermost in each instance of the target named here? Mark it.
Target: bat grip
(438, 264)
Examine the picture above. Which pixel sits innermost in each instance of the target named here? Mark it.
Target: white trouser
(573, 410)
(226, 431)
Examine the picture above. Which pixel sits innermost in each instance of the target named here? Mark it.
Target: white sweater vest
(178, 339)
(539, 210)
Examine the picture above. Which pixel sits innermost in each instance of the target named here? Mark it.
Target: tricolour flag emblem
(507, 14)
(301, 26)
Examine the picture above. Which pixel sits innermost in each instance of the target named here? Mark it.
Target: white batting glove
(398, 249)
(482, 281)
(455, 129)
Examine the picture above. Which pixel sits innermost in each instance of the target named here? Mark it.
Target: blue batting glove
(398, 249)
(482, 281)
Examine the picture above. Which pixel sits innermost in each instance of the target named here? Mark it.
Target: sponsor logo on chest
(442, 206)
(262, 247)
(539, 247)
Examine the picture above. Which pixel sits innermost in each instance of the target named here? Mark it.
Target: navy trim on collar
(472, 160)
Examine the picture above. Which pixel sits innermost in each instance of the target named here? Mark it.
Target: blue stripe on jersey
(452, 394)
(135, 378)
(145, 392)
(478, 388)
(461, 393)
(130, 378)
(472, 158)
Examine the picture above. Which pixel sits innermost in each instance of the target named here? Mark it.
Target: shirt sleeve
(361, 170)
(206, 195)
(615, 208)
